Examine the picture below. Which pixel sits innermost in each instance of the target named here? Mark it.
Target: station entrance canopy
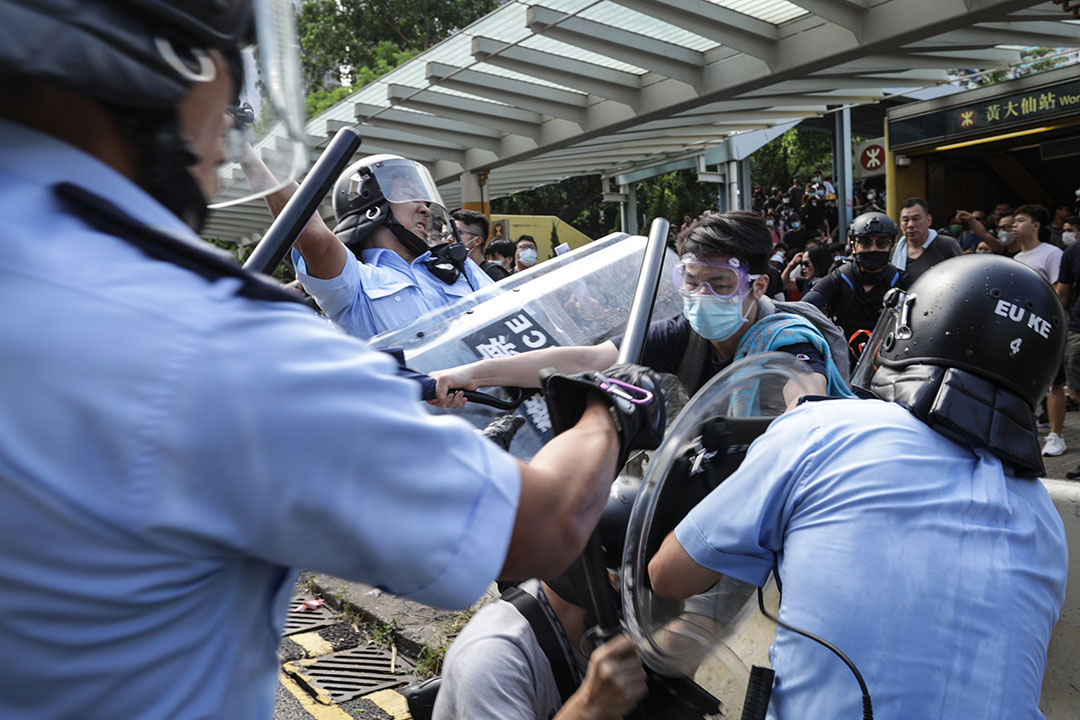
(535, 92)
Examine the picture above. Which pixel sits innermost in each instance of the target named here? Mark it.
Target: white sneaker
(1054, 445)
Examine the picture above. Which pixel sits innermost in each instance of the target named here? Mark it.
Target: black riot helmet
(872, 224)
(140, 58)
(363, 195)
(986, 315)
(871, 235)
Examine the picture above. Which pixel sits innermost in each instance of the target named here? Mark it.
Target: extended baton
(305, 201)
(605, 602)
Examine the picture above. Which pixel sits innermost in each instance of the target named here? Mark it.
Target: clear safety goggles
(268, 120)
(716, 278)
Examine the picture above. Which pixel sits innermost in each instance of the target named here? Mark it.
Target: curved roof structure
(540, 90)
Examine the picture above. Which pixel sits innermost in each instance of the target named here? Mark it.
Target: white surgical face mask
(1068, 237)
(527, 257)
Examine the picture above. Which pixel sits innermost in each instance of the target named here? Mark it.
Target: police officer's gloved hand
(502, 429)
(631, 391)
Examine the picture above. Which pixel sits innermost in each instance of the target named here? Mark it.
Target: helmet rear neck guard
(967, 409)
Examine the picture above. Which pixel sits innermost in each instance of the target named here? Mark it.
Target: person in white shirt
(1030, 225)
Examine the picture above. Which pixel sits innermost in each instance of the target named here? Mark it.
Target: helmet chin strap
(409, 239)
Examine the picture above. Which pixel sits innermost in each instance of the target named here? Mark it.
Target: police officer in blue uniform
(909, 530)
(393, 254)
(176, 434)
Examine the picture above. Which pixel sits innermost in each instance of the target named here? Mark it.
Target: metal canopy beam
(666, 58)
(847, 14)
(617, 85)
(518, 93)
(727, 27)
(481, 112)
(427, 126)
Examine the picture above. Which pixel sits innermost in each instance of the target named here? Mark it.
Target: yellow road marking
(312, 643)
(316, 710)
(392, 703)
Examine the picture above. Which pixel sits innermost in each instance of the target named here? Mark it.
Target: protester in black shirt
(852, 294)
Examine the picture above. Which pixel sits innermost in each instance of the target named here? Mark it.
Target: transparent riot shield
(713, 638)
(580, 298)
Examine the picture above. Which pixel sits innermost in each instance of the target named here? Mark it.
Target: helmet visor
(268, 122)
(402, 180)
(725, 279)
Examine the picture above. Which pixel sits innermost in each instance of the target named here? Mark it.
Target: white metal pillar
(629, 209)
(734, 191)
(842, 176)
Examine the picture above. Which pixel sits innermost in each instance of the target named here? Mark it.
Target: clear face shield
(892, 325)
(714, 637)
(414, 199)
(268, 121)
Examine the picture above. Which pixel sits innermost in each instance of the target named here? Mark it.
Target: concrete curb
(415, 626)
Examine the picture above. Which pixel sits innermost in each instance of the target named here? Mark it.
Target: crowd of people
(849, 277)
(179, 436)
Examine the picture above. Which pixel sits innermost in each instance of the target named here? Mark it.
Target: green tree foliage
(799, 151)
(337, 34)
(1033, 60)
(387, 57)
(576, 200)
(673, 196)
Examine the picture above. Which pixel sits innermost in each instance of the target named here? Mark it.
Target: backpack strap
(530, 609)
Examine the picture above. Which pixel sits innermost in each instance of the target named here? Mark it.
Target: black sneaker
(1074, 474)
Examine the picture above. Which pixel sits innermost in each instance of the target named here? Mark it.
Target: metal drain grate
(351, 673)
(298, 621)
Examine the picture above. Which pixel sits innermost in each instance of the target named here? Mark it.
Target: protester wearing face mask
(526, 253)
(796, 235)
(999, 241)
(852, 294)
(1070, 231)
(775, 229)
(726, 315)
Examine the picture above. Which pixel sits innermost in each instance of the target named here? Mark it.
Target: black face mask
(869, 264)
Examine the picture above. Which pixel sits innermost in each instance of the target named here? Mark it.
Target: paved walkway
(1056, 467)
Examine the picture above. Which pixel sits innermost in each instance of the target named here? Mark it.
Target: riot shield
(580, 298)
(713, 638)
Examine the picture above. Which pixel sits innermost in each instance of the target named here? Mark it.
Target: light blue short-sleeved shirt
(170, 450)
(939, 575)
(384, 292)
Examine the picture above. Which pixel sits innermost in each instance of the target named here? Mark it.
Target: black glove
(502, 429)
(638, 410)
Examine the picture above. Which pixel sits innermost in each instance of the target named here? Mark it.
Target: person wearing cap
(156, 500)
(910, 529)
(726, 315)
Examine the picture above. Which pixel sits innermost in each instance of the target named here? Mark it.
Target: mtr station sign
(987, 116)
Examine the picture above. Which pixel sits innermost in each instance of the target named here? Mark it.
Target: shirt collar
(40, 159)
